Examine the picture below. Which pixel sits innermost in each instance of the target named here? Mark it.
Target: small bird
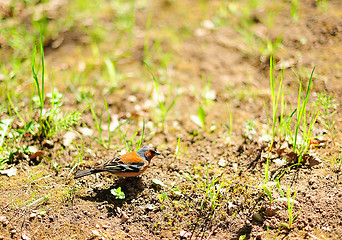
(130, 164)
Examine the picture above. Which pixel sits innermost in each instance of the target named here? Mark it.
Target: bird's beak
(157, 153)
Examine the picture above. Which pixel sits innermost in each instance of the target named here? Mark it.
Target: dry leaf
(36, 154)
(313, 160)
(9, 172)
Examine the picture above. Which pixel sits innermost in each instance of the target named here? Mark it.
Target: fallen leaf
(9, 172)
(196, 120)
(158, 182)
(292, 157)
(280, 161)
(36, 154)
(177, 192)
(313, 160)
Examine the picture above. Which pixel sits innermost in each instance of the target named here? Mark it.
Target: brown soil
(86, 209)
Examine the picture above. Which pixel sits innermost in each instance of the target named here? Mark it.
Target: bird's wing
(129, 162)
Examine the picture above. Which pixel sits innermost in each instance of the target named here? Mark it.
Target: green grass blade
(142, 136)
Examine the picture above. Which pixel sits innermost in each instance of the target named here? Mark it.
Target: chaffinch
(130, 164)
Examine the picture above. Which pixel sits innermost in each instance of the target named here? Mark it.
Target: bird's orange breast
(130, 158)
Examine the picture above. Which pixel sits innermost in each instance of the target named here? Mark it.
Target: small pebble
(95, 233)
(85, 212)
(149, 207)
(235, 167)
(124, 217)
(258, 217)
(231, 208)
(222, 162)
(185, 234)
(3, 220)
(25, 237)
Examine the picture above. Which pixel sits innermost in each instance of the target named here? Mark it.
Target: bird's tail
(87, 172)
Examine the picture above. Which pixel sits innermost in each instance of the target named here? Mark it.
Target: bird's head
(147, 152)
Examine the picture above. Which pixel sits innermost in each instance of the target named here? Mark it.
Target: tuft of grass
(17, 204)
(336, 160)
(267, 188)
(98, 125)
(211, 191)
(280, 125)
(249, 130)
(15, 109)
(40, 86)
(172, 189)
(200, 118)
(269, 48)
(327, 110)
(290, 210)
(178, 146)
(178, 151)
(322, 4)
(241, 17)
(4, 126)
(112, 75)
(306, 118)
(165, 103)
(294, 10)
(69, 193)
(49, 122)
(230, 127)
(142, 137)
(118, 193)
(162, 197)
(129, 144)
(275, 97)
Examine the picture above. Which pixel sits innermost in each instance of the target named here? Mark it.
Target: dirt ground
(238, 75)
